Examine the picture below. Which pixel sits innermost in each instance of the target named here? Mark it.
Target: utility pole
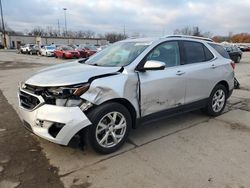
(124, 30)
(58, 25)
(4, 33)
(65, 21)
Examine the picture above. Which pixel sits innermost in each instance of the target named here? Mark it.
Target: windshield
(118, 55)
(50, 48)
(67, 48)
(93, 48)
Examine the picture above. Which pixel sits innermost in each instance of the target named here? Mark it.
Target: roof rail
(189, 36)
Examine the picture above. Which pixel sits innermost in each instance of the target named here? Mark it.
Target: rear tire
(111, 123)
(217, 101)
(238, 59)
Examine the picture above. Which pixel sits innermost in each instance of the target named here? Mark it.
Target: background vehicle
(132, 81)
(86, 50)
(35, 50)
(26, 48)
(234, 52)
(244, 48)
(100, 48)
(1, 46)
(75, 47)
(66, 52)
(47, 50)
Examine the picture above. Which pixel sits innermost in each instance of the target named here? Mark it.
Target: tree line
(237, 38)
(116, 36)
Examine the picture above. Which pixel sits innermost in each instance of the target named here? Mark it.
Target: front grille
(28, 101)
(34, 89)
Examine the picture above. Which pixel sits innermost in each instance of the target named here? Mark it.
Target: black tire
(63, 56)
(99, 114)
(238, 58)
(236, 84)
(209, 108)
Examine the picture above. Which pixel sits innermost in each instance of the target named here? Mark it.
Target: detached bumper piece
(57, 124)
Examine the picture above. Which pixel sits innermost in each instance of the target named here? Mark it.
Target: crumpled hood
(68, 74)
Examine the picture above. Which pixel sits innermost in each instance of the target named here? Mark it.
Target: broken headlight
(64, 92)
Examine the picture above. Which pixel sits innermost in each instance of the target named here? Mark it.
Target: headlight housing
(69, 91)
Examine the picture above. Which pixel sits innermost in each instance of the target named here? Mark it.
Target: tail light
(233, 64)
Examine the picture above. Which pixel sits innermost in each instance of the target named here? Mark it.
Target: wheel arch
(128, 105)
(225, 84)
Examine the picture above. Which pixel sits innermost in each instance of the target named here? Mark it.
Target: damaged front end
(54, 113)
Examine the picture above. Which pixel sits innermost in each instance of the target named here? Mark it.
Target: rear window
(220, 50)
(196, 52)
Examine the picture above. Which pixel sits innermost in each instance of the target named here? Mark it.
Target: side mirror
(153, 65)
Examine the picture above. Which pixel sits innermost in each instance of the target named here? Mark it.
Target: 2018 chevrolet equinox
(131, 81)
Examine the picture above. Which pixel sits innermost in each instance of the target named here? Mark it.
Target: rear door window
(194, 52)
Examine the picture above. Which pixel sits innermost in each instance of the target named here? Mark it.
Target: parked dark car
(35, 50)
(244, 48)
(234, 52)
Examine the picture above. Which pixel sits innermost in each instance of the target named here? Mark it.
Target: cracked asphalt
(190, 150)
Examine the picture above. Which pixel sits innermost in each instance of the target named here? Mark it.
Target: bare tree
(37, 31)
(194, 31)
(113, 37)
(89, 34)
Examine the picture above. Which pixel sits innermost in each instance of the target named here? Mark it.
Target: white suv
(26, 48)
(131, 81)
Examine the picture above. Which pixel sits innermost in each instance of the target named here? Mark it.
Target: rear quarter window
(220, 50)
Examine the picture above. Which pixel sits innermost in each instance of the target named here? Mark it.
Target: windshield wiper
(83, 60)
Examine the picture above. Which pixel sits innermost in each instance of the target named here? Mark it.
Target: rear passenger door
(199, 66)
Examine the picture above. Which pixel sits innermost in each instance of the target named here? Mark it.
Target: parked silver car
(131, 81)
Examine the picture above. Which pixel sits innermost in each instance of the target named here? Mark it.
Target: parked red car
(66, 52)
(86, 50)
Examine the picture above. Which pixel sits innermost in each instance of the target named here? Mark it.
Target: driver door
(163, 89)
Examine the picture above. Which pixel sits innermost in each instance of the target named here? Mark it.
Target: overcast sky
(148, 17)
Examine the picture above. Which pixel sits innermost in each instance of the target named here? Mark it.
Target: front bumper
(71, 56)
(50, 53)
(41, 119)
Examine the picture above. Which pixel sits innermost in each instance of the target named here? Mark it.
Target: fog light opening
(55, 129)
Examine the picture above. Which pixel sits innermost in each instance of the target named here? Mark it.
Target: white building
(15, 41)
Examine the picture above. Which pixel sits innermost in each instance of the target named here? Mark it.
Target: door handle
(213, 66)
(179, 73)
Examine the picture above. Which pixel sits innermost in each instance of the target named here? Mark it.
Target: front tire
(217, 101)
(111, 123)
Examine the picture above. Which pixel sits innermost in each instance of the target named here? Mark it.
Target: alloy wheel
(111, 129)
(218, 100)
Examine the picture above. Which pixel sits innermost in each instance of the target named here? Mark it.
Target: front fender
(112, 87)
